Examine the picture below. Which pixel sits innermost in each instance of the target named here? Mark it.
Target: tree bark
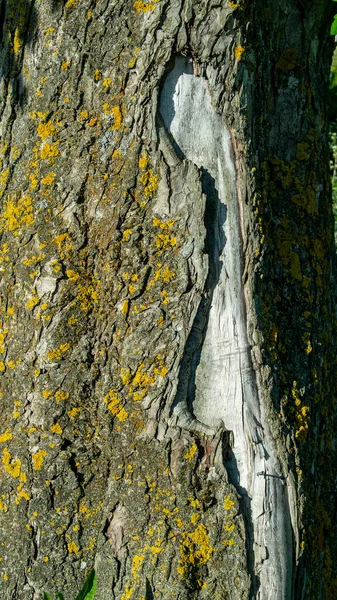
(168, 377)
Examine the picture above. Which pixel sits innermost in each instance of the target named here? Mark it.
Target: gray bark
(168, 321)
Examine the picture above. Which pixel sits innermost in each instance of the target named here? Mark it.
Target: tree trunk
(168, 374)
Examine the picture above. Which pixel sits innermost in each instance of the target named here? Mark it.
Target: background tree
(116, 239)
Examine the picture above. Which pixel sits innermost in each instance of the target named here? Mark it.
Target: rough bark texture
(119, 248)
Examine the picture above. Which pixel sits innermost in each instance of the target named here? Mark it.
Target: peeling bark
(167, 307)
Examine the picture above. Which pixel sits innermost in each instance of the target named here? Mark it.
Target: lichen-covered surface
(102, 269)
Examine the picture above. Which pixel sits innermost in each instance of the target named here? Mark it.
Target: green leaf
(47, 596)
(333, 29)
(89, 589)
(59, 595)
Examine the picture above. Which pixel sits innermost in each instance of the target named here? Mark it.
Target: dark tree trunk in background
(167, 331)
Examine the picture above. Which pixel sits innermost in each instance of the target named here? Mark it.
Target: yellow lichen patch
(49, 151)
(74, 412)
(73, 548)
(118, 117)
(233, 5)
(143, 161)
(141, 6)
(47, 393)
(137, 562)
(195, 518)
(17, 213)
(62, 242)
(165, 275)
(150, 183)
(126, 235)
(106, 83)
(65, 65)
(12, 467)
(48, 179)
(128, 592)
(133, 60)
(32, 302)
(3, 506)
(38, 459)
(191, 452)
(228, 502)
(46, 130)
(59, 396)
(88, 294)
(238, 52)
(302, 413)
(126, 376)
(17, 42)
(56, 429)
(165, 296)
(71, 3)
(114, 406)
(72, 275)
(125, 307)
(195, 551)
(21, 494)
(57, 353)
(5, 437)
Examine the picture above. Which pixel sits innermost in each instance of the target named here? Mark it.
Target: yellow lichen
(73, 547)
(137, 562)
(62, 242)
(32, 302)
(106, 83)
(59, 396)
(12, 467)
(48, 179)
(38, 459)
(150, 183)
(17, 213)
(17, 42)
(57, 353)
(49, 151)
(74, 412)
(228, 502)
(125, 307)
(238, 52)
(46, 130)
(191, 452)
(114, 406)
(195, 550)
(141, 6)
(126, 235)
(56, 429)
(118, 117)
(5, 437)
